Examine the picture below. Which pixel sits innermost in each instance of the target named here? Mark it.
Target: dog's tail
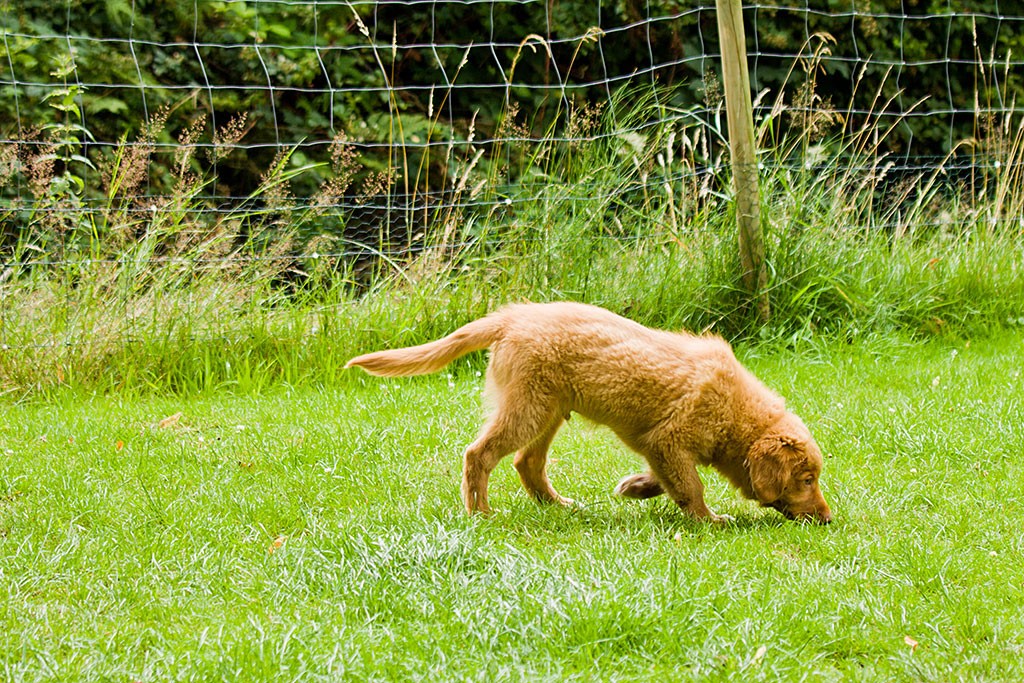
(431, 357)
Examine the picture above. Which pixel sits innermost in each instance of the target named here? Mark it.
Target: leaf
(110, 104)
(279, 30)
(911, 642)
(119, 445)
(169, 421)
(278, 542)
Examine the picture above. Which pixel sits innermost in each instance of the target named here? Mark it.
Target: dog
(677, 399)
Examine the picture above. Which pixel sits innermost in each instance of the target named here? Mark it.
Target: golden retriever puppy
(677, 399)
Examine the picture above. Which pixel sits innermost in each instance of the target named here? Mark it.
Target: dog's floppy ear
(770, 462)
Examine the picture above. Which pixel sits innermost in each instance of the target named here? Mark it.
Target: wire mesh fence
(369, 128)
(409, 84)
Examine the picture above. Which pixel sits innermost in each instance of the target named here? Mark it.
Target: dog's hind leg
(531, 464)
(517, 423)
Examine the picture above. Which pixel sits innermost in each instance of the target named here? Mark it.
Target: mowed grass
(318, 535)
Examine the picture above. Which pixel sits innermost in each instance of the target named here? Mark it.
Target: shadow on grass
(660, 517)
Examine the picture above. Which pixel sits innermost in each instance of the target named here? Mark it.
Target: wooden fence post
(740, 117)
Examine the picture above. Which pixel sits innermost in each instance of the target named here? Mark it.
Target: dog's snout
(824, 516)
(822, 512)
(815, 517)
(820, 515)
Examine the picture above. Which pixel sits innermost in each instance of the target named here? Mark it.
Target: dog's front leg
(639, 486)
(677, 475)
(687, 490)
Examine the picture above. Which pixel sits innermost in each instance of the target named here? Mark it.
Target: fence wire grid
(80, 80)
(404, 98)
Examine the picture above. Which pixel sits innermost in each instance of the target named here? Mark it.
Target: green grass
(633, 216)
(300, 523)
(130, 551)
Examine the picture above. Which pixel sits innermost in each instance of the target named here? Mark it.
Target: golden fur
(677, 399)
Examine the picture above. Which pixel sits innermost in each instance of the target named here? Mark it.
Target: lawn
(304, 534)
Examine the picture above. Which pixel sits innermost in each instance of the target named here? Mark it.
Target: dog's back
(613, 370)
(593, 362)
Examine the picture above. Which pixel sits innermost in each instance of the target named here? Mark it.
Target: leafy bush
(307, 73)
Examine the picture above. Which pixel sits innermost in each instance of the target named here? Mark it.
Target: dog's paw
(639, 486)
(721, 519)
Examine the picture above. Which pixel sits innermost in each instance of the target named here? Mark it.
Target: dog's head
(784, 465)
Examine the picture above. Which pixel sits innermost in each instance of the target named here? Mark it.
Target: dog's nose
(822, 513)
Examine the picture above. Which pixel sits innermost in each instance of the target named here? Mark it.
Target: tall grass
(632, 213)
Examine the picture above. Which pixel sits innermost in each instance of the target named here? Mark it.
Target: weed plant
(629, 210)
